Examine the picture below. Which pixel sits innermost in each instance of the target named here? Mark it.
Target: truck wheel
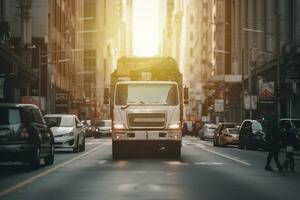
(175, 151)
(116, 151)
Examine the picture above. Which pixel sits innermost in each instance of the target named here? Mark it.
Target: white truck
(146, 99)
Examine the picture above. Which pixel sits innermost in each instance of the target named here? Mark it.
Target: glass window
(65, 121)
(296, 123)
(140, 94)
(9, 116)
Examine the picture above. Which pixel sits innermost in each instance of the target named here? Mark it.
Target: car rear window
(64, 121)
(9, 116)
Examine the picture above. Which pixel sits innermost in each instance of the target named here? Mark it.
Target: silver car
(67, 130)
(103, 128)
(207, 132)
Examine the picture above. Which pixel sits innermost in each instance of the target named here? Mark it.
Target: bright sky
(146, 35)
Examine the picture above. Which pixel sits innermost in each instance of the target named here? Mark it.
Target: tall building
(65, 55)
(266, 49)
(107, 36)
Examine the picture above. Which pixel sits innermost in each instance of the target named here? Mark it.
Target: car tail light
(24, 133)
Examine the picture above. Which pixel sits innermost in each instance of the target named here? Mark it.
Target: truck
(146, 98)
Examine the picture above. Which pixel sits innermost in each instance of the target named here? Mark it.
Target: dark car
(253, 134)
(188, 128)
(24, 135)
(220, 131)
(294, 124)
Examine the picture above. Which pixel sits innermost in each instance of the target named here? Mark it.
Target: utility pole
(278, 63)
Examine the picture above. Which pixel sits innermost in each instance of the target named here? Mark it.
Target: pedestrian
(290, 144)
(273, 143)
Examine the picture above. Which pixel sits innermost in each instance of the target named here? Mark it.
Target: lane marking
(149, 172)
(101, 162)
(208, 163)
(236, 159)
(175, 163)
(45, 173)
(127, 187)
(156, 188)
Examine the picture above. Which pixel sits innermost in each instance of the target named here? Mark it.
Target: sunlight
(146, 34)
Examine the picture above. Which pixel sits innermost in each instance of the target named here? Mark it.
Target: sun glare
(146, 34)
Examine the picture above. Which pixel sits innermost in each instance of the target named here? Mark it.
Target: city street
(203, 172)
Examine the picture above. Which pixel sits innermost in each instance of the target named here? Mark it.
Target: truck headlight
(174, 126)
(118, 126)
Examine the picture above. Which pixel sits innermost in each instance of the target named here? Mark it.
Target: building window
(191, 19)
(191, 52)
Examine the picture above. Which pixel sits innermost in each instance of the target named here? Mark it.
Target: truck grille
(150, 120)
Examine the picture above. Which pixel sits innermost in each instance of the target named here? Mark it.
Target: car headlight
(119, 126)
(174, 126)
(70, 134)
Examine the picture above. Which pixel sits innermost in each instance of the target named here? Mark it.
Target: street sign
(233, 78)
(266, 91)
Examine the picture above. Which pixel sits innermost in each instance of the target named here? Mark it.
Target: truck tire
(116, 151)
(175, 151)
(35, 161)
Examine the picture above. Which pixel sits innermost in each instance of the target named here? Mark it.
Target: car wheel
(49, 160)
(35, 161)
(76, 148)
(82, 147)
(241, 145)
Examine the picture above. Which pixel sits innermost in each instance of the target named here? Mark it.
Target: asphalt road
(203, 172)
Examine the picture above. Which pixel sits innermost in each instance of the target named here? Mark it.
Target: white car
(103, 128)
(67, 130)
(207, 132)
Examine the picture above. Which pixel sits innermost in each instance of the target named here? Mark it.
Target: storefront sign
(266, 91)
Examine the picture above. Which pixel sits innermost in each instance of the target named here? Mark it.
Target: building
(20, 47)
(266, 50)
(107, 36)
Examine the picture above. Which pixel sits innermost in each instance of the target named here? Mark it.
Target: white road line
(156, 188)
(45, 173)
(176, 163)
(127, 187)
(208, 163)
(238, 160)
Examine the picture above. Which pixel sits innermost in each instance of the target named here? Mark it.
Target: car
(207, 131)
(67, 130)
(294, 125)
(229, 136)
(217, 139)
(24, 135)
(253, 134)
(103, 128)
(188, 128)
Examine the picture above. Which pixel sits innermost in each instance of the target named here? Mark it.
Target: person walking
(273, 144)
(290, 144)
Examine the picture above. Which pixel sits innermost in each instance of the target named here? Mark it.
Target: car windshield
(9, 116)
(296, 123)
(233, 131)
(160, 94)
(104, 123)
(64, 121)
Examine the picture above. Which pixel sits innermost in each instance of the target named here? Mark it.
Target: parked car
(188, 128)
(217, 139)
(67, 130)
(253, 134)
(207, 131)
(24, 135)
(229, 136)
(294, 125)
(103, 128)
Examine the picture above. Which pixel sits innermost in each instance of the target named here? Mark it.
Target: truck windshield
(160, 94)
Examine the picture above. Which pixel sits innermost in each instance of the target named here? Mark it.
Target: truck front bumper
(147, 135)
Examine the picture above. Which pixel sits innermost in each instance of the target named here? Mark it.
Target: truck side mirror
(186, 95)
(106, 96)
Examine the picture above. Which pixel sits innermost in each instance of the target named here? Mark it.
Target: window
(9, 116)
